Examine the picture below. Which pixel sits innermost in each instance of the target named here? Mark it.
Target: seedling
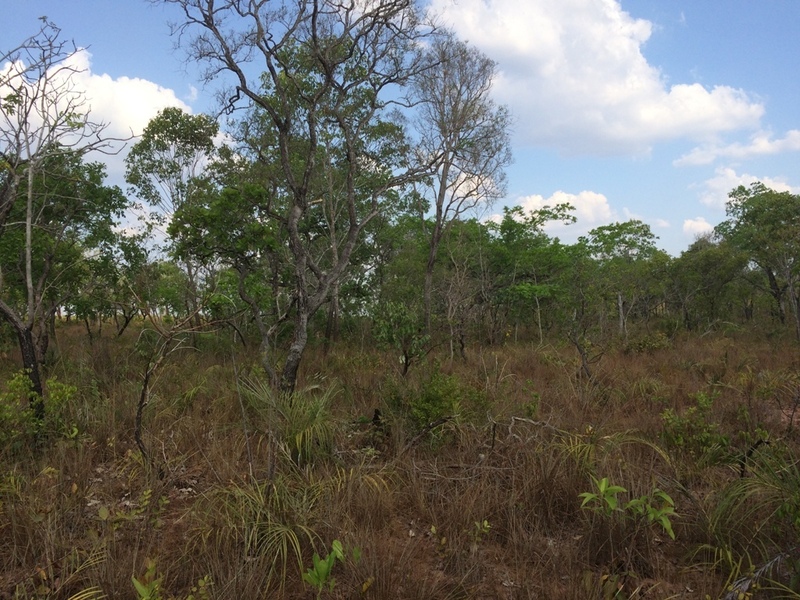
(319, 576)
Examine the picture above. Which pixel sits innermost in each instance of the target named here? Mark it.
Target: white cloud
(760, 144)
(574, 75)
(655, 222)
(661, 223)
(591, 208)
(696, 227)
(715, 190)
(125, 104)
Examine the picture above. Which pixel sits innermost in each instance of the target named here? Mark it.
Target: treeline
(342, 203)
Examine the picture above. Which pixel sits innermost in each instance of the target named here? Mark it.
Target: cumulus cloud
(574, 75)
(590, 207)
(714, 191)
(124, 105)
(591, 210)
(696, 227)
(760, 144)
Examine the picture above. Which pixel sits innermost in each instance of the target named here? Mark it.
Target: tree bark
(30, 358)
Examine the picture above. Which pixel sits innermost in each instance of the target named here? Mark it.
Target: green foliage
(692, 431)
(17, 419)
(319, 576)
(149, 585)
(604, 499)
(439, 395)
(301, 420)
(622, 528)
(398, 327)
(18, 422)
(656, 507)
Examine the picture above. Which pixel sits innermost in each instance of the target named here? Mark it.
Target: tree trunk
(30, 363)
(292, 365)
(332, 326)
(777, 293)
(427, 293)
(795, 299)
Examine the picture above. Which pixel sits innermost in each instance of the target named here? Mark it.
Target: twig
(425, 430)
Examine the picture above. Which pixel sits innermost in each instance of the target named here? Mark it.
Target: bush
(440, 395)
(18, 423)
(692, 432)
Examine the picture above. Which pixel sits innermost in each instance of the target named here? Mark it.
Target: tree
(765, 224)
(52, 205)
(327, 71)
(700, 277)
(624, 251)
(164, 165)
(525, 266)
(464, 133)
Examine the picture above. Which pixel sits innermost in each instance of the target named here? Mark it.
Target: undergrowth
(504, 475)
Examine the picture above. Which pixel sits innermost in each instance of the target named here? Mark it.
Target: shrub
(693, 432)
(440, 395)
(18, 422)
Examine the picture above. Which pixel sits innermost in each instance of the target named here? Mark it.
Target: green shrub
(18, 422)
(440, 395)
(648, 344)
(692, 431)
(397, 327)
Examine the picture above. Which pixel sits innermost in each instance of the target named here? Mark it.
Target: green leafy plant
(656, 507)
(480, 530)
(397, 327)
(440, 395)
(620, 530)
(604, 499)
(18, 421)
(148, 586)
(319, 576)
(693, 431)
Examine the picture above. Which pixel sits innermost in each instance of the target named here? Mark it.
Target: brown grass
(483, 504)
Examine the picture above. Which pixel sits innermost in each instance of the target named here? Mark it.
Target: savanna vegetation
(312, 370)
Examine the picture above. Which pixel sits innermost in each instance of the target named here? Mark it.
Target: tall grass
(465, 484)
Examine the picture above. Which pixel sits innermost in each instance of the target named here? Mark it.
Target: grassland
(670, 470)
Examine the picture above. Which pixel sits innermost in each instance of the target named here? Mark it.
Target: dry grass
(482, 503)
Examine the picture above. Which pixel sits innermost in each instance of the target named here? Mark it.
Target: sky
(627, 109)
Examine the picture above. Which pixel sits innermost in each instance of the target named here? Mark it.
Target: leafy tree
(117, 283)
(464, 133)
(625, 252)
(327, 70)
(526, 267)
(163, 168)
(53, 208)
(700, 277)
(765, 225)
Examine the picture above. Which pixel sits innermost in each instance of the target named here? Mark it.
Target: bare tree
(43, 116)
(328, 73)
(461, 128)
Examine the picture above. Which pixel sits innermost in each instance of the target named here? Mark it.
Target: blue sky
(627, 109)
